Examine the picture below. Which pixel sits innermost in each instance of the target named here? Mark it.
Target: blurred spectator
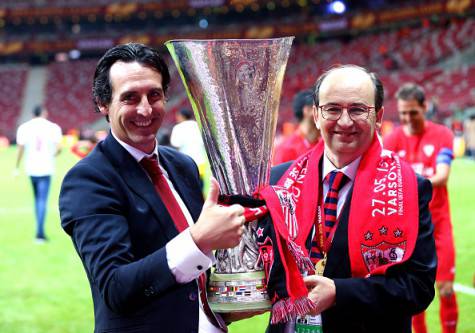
(84, 146)
(163, 136)
(432, 108)
(4, 142)
(305, 136)
(39, 140)
(389, 62)
(186, 137)
(428, 147)
(457, 126)
(470, 136)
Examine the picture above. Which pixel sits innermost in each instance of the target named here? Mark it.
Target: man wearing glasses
(350, 229)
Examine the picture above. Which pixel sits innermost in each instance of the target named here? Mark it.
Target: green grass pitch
(43, 288)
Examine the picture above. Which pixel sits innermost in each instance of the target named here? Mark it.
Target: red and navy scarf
(382, 226)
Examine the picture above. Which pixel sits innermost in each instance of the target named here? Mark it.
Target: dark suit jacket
(378, 303)
(119, 227)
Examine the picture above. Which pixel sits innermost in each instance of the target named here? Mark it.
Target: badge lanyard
(313, 323)
(323, 244)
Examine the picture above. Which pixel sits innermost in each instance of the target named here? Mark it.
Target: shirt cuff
(185, 259)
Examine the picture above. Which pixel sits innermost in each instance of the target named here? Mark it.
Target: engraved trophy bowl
(234, 88)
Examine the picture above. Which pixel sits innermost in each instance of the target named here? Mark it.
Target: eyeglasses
(355, 111)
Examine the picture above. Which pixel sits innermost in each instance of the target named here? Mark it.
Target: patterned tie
(150, 164)
(336, 180)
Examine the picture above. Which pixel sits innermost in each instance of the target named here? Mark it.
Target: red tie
(161, 186)
(150, 164)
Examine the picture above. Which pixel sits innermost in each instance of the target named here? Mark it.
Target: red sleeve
(390, 140)
(281, 155)
(447, 138)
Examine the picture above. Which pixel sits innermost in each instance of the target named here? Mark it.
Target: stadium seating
(68, 94)
(407, 54)
(12, 84)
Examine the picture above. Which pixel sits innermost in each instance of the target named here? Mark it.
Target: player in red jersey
(305, 136)
(429, 149)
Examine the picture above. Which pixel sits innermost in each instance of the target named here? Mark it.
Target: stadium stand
(415, 49)
(12, 83)
(68, 94)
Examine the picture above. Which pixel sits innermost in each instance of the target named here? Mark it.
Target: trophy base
(238, 292)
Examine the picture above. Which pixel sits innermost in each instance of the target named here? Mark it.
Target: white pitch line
(464, 289)
(22, 209)
(16, 210)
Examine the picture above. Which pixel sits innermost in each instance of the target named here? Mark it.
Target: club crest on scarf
(289, 195)
(288, 203)
(266, 253)
(383, 253)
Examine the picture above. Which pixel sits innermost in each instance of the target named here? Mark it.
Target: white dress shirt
(185, 259)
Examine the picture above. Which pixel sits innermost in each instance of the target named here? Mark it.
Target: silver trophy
(234, 88)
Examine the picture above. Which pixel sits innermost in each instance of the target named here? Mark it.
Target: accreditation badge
(308, 324)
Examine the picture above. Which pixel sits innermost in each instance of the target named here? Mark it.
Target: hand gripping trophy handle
(234, 88)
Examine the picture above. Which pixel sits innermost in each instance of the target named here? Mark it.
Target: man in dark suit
(131, 217)
(352, 219)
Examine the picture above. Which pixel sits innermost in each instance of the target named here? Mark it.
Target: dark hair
(37, 110)
(302, 99)
(378, 85)
(130, 52)
(409, 91)
(185, 113)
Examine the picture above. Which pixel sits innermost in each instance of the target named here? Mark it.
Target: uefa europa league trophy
(234, 88)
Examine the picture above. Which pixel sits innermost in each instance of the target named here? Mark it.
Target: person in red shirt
(429, 149)
(305, 136)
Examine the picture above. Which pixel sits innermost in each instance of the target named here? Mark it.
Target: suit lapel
(139, 183)
(338, 263)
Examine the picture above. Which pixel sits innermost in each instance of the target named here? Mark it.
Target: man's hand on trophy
(218, 227)
(322, 292)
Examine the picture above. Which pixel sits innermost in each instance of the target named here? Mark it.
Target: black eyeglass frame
(347, 107)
